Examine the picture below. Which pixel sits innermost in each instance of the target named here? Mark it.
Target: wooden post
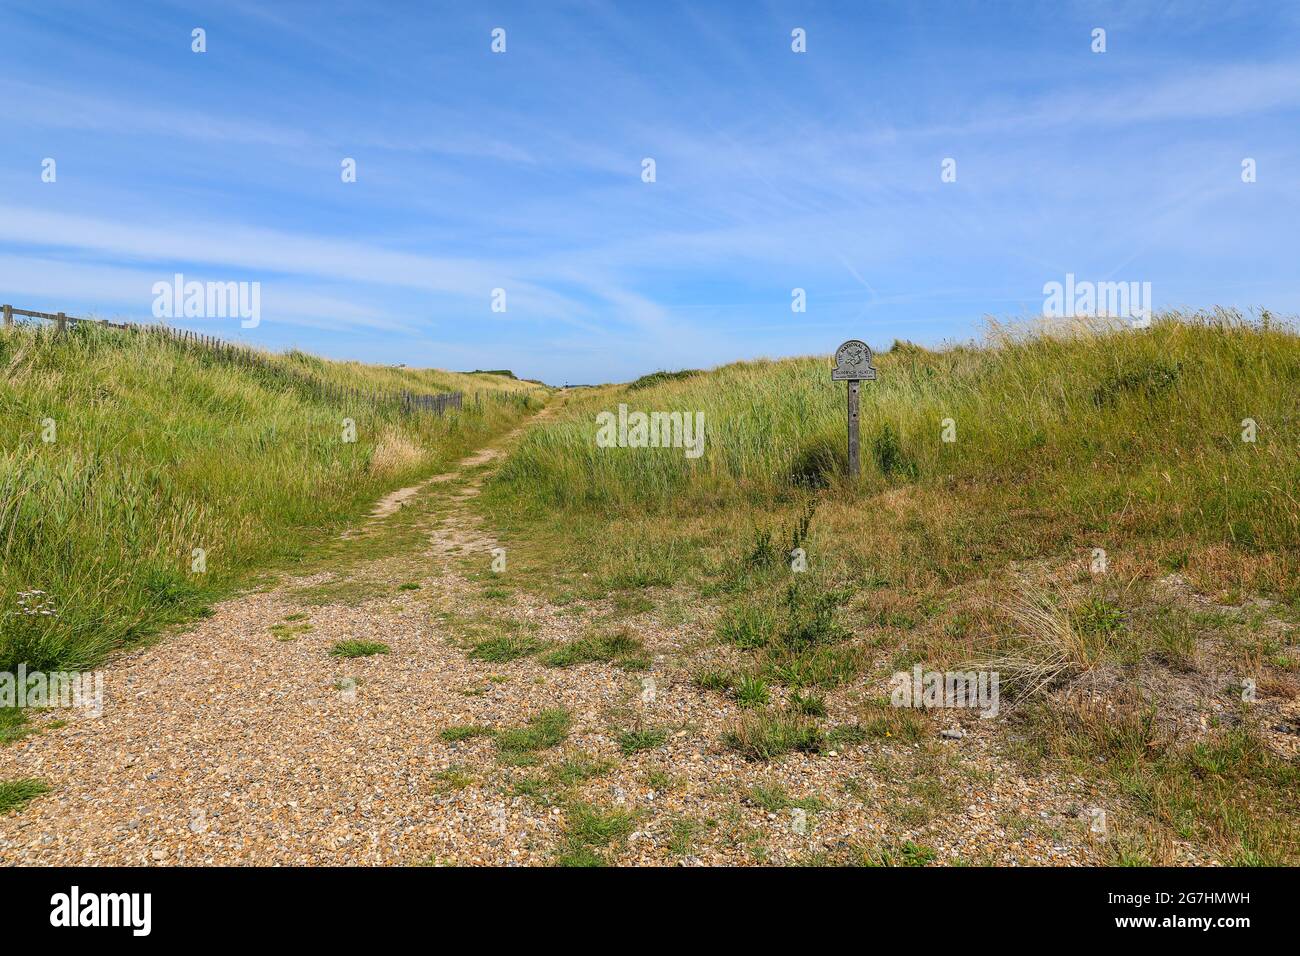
(63, 322)
(853, 365)
(9, 315)
(854, 465)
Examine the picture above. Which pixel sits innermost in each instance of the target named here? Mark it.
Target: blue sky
(522, 170)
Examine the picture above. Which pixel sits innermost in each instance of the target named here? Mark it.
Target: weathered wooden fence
(409, 403)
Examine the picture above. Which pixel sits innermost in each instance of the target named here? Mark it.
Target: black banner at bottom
(338, 905)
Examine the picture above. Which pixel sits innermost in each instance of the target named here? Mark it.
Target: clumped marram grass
(1047, 405)
(1068, 437)
(1051, 647)
(160, 449)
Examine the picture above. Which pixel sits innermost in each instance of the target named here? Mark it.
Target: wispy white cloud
(522, 172)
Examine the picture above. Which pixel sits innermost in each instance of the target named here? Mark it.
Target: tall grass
(1068, 439)
(161, 449)
(1143, 423)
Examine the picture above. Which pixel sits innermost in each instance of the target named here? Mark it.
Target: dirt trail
(232, 744)
(393, 501)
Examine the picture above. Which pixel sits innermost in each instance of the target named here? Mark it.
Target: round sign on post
(853, 365)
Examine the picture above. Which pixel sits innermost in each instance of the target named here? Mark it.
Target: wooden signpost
(853, 365)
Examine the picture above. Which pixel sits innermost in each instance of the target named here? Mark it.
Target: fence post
(9, 315)
(63, 322)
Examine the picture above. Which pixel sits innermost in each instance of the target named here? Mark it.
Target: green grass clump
(810, 705)
(554, 786)
(465, 732)
(747, 625)
(577, 769)
(588, 828)
(634, 741)
(774, 798)
(359, 649)
(811, 618)
(797, 637)
(885, 722)
(1099, 618)
(580, 856)
(763, 736)
(591, 825)
(713, 679)
(161, 450)
(290, 632)
(682, 835)
(660, 780)
(456, 777)
(815, 666)
(619, 647)
(13, 725)
(752, 692)
(16, 794)
(545, 730)
(905, 853)
(499, 650)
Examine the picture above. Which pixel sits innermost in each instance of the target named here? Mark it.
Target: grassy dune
(1138, 434)
(977, 551)
(160, 450)
(1086, 409)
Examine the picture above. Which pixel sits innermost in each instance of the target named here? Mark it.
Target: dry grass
(394, 454)
(1050, 647)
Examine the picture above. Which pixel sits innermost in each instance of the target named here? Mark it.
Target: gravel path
(230, 745)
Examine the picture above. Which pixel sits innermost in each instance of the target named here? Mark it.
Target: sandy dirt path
(227, 744)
